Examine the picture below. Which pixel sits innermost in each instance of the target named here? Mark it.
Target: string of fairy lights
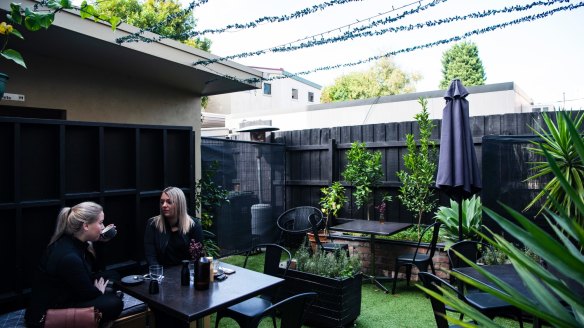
(362, 31)
(456, 38)
(230, 27)
(363, 28)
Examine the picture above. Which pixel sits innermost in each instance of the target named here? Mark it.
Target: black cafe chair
(294, 224)
(245, 312)
(430, 281)
(316, 222)
(291, 311)
(420, 260)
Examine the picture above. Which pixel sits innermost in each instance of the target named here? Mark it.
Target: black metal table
(189, 305)
(372, 228)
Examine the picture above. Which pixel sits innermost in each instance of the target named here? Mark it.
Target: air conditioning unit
(542, 108)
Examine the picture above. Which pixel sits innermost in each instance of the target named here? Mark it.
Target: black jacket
(155, 242)
(63, 278)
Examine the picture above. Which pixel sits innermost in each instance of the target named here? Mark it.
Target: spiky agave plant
(552, 300)
(558, 142)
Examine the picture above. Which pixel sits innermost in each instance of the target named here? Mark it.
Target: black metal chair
(245, 312)
(430, 281)
(421, 261)
(291, 311)
(316, 222)
(294, 224)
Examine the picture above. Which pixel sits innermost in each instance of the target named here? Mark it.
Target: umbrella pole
(459, 216)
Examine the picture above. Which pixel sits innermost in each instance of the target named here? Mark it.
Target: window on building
(267, 88)
(295, 94)
(311, 97)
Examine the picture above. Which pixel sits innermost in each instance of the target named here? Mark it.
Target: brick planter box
(338, 303)
(385, 253)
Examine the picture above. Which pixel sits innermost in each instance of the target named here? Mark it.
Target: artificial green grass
(409, 307)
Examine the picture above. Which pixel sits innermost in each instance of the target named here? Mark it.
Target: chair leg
(432, 267)
(396, 270)
(274, 321)
(408, 274)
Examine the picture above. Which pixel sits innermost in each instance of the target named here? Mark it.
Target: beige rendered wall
(373, 111)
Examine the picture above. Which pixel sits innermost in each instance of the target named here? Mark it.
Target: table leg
(373, 276)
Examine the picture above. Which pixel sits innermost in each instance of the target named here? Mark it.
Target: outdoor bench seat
(134, 311)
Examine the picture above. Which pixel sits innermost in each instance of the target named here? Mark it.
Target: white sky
(544, 58)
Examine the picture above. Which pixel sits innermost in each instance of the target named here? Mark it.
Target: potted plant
(364, 172)
(415, 193)
(472, 213)
(383, 206)
(332, 201)
(337, 280)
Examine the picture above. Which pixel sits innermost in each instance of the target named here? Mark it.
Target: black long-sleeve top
(63, 278)
(160, 249)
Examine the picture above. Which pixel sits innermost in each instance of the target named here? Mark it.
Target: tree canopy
(153, 15)
(383, 79)
(462, 62)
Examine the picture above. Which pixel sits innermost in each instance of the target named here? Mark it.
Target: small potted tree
(364, 172)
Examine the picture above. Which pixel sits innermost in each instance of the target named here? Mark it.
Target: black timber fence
(316, 157)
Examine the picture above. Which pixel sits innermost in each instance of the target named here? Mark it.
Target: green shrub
(332, 265)
(472, 212)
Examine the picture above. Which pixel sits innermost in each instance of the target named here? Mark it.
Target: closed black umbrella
(458, 169)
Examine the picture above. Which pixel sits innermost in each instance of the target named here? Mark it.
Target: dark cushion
(15, 319)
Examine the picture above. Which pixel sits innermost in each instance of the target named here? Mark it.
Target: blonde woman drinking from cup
(64, 277)
(168, 235)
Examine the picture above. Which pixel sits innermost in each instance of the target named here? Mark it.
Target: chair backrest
(272, 259)
(295, 220)
(430, 281)
(469, 249)
(315, 222)
(432, 247)
(291, 311)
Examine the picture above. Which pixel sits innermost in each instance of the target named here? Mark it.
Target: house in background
(491, 99)
(77, 71)
(277, 95)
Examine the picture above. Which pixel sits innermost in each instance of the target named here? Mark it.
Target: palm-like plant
(552, 301)
(472, 214)
(559, 143)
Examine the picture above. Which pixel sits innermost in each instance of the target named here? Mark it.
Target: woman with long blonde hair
(169, 234)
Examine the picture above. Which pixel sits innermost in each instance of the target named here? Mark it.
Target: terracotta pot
(322, 236)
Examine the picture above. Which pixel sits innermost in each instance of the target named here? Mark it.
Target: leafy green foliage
(332, 265)
(553, 300)
(40, 18)
(559, 143)
(208, 195)
(383, 79)
(332, 200)
(462, 62)
(415, 192)
(472, 213)
(363, 171)
(153, 15)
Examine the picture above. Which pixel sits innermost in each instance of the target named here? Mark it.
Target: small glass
(192, 270)
(218, 267)
(156, 272)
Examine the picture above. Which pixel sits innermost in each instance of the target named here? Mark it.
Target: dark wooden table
(505, 272)
(372, 228)
(189, 305)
